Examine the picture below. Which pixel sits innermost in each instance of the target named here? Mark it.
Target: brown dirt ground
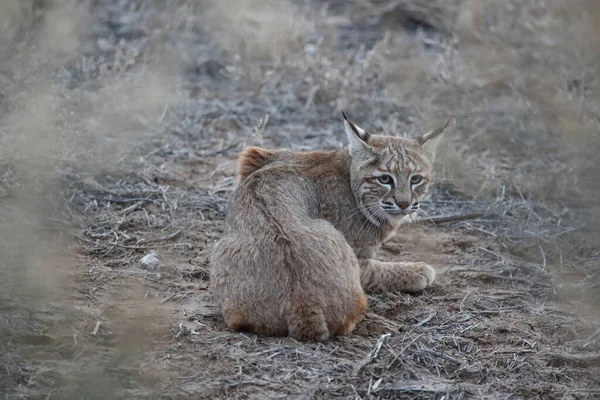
(120, 124)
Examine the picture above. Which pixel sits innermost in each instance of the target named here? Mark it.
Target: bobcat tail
(251, 159)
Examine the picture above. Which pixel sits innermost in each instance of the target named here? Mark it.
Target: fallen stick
(440, 219)
(442, 356)
(96, 328)
(372, 354)
(482, 273)
(582, 359)
(421, 387)
(514, 279)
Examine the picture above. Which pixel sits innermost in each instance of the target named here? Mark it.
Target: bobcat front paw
(421, 276)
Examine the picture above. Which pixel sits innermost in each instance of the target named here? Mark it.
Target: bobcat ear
(357, 136)
(433, 134)
(431, 141)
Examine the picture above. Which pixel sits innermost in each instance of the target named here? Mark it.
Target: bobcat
(303, 228)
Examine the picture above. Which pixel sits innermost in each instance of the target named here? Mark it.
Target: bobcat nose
(403, 204)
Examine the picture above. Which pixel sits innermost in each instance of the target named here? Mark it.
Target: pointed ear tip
(435, 133)
(446, 125)
(438, 131)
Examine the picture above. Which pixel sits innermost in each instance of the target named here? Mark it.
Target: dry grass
(119, 125)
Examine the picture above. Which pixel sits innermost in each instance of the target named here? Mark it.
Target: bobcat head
(389, 175)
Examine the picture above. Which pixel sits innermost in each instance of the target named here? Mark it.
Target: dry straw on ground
(119, 126)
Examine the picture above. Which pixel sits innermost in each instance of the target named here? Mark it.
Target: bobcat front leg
(379, 276)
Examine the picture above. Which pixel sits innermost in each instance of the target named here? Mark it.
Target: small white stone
(151, 261)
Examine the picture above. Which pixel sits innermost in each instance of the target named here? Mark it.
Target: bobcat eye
(416, 179)
(385, 179)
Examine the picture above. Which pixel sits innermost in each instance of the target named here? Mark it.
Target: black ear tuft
(433, 134)
(359, 132)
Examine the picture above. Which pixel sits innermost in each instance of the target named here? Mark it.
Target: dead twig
(96, 328)
(441, 219)
(503, 277)
(427, 319)
(372, 354)
(422, 387)
(403, 350)
(124, 200)
(170, 236)
(442, 356)
(587, 359)
(593, 335)
(167, 298)
(512, 278)
(388, 323)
